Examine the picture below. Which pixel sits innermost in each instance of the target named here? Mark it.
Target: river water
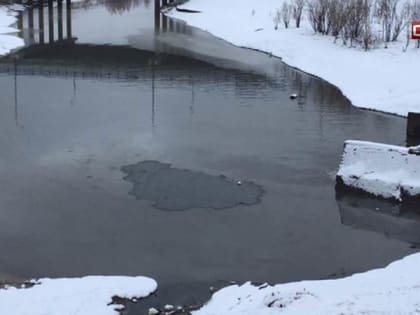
(73, 114)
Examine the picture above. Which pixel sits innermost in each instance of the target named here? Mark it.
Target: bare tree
(277, 19)
(402, 20)
(317, 10)
(297, 8)
(387, 12)
(286, 13)
(356, 15)
(337, 17)
(367, 30)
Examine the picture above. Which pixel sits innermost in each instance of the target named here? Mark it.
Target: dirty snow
(380, 169)
(380, 79)
(392, 290)
(75, 296)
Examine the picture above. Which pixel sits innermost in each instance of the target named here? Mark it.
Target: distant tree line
(355, 22)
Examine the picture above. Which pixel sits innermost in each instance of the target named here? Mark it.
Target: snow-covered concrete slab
(380, 79)
(8, 41)
(392, 290)
(383, 170)
(76, 296)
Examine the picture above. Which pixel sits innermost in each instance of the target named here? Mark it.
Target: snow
(392, 290)
(380, 79)
(8, 41)
(383, 170)
(75, 296)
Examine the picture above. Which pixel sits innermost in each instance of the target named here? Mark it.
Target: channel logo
(415, 30)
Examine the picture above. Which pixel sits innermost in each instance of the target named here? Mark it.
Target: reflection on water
(361, 211)
(74, 112)
(120, 6)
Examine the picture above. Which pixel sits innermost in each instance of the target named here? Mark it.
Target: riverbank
(392, 290)
(7, 40)
(380, 79)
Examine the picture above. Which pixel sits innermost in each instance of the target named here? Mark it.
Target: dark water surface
(72, 115)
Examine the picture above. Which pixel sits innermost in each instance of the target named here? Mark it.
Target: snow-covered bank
(79, 296)
(8, 41)
(380, 79)
(392, 290)
(383, 170)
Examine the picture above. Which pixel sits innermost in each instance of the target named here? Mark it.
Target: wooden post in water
(50, 22)
(164, 3)
(41, 22)
(68, 18)
(413, 125)
(60, 19)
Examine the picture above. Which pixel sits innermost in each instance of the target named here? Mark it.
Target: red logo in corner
(415, 30)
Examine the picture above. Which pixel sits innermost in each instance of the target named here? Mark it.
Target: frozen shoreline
(380, 79)
(8, 41)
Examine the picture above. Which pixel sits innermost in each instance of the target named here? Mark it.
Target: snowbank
(383, 170)
(7, 41)
(79, 296)
(392, 290)
(380, 79)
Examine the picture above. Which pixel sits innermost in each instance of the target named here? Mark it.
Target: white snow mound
(76, 296)
(394, 290)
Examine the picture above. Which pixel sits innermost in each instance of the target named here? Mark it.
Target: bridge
(53, 20)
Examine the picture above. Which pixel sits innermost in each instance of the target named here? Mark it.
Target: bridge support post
(68, 18)
(50, 21)
(41, 22)
(60, 19)
(157, 15)
(31, 20)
